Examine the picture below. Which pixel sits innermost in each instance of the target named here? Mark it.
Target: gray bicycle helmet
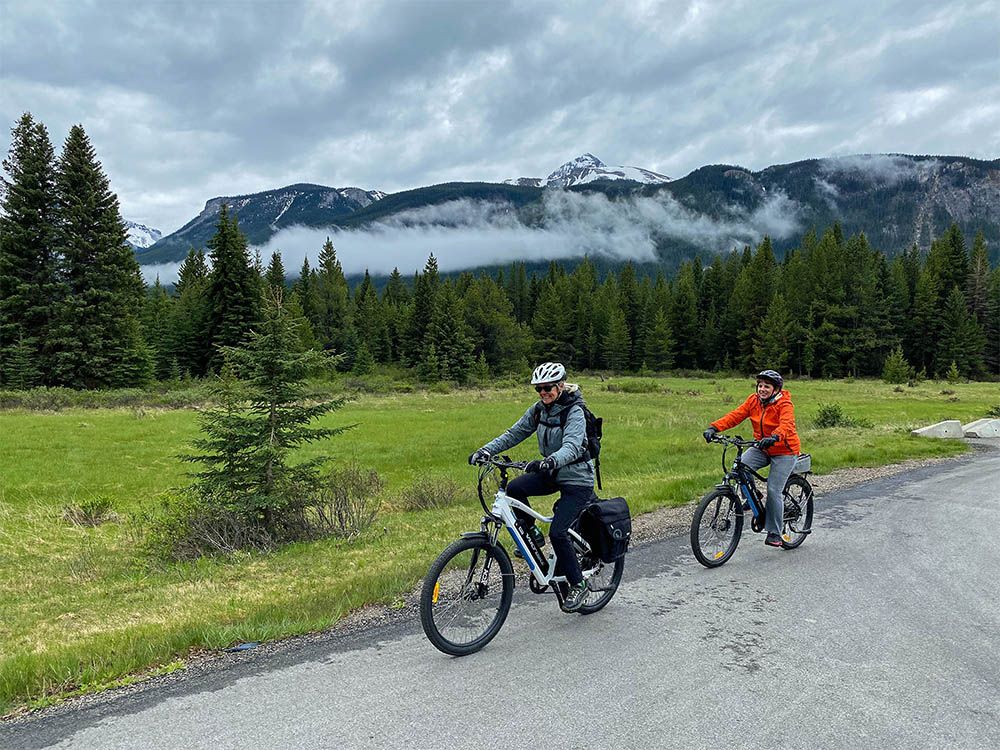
(773, 377)
(548, 372)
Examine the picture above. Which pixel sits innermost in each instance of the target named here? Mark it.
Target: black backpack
(595, 431)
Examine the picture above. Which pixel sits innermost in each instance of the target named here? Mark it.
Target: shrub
(91, 512)
(187, 528)
(633, 386)
(346, 503)
(953, 374)
(993, 411)
(832, 415)
(429, 493)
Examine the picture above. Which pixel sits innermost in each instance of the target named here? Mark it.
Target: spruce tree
(961, 340)
(659, 347)
(274, 276)
(97, 340)
(233, 295)
(248, 440)
(190, 316)
(978, 286)
(448, 336)
(776, 336)
(28, 285)
(157, 325)
(332, 299)
(616, 344)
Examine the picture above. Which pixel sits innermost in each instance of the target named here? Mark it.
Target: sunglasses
(545, 388)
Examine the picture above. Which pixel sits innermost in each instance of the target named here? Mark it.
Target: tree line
(74, 310)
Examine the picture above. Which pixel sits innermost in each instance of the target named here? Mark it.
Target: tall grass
(80, 608)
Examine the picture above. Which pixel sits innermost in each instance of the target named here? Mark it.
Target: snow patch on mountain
(139, 235)
(588, 168)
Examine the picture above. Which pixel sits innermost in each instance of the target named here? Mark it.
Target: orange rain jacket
(777, 417)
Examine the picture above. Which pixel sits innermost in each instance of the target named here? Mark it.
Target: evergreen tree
(233, 294)
(274, 277)
(776, 336)
(157, 322)
(448, 336)
(659, 354)
(616, 342)
(978, 289)
(684, 323)
(27, 254)
(961, 342)
(552, 327)
(97, 339)
(425, 289)
(896, 369)
(333, 299)
(190, 316)
(992, 327)
(751, 298)
(924, 324)
(369, 321)
(248, 440)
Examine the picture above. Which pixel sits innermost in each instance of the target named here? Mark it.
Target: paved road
(882, 630)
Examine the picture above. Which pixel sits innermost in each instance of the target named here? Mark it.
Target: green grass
(80, 610)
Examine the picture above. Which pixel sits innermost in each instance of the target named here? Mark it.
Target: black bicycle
(718, 520)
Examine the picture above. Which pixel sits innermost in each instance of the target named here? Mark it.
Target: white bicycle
(468, 590)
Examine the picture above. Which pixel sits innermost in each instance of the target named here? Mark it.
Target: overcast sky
(185, 101)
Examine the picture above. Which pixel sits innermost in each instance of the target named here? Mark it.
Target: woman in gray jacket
(564, 468)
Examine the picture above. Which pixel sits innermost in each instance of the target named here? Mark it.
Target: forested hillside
(73, 310)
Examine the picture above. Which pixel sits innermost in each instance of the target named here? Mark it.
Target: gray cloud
(187, 100)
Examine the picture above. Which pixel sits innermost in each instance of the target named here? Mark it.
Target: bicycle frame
(542, 567)
(740, 478)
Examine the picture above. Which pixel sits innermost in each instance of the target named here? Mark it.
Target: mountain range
(896, 199)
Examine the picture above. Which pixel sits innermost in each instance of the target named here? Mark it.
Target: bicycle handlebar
(735, 440)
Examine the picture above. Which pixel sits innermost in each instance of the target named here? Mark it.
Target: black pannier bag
(607, 527)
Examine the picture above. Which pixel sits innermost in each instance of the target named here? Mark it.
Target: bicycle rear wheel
(603, 583)
(716, 528)
(798, 499)
(466, 596)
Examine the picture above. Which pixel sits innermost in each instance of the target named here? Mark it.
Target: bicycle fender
(475, 535)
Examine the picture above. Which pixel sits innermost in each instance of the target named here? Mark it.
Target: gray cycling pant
(781, 469)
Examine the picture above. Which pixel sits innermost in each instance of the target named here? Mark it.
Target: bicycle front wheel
(466, 596)
(716, 528)
(798, 499)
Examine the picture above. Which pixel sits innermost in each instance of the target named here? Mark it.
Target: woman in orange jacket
(772, 415)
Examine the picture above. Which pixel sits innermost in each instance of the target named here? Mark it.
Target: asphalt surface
(882, 630)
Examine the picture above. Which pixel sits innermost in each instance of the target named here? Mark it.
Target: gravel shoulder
(379, 622)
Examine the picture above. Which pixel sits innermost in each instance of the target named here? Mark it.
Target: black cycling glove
(546, 466)
(768, 441)
(709, 434)
(481, 456)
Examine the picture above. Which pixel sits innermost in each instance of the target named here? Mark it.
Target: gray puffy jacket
(565, 446)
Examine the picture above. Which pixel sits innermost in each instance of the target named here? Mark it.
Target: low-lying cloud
(467, 234)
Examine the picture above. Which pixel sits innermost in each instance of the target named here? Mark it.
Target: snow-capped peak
(139, 235)
(588, 168)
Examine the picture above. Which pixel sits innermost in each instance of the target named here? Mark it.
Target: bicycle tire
(717, 500)
(441, 576)
(797, 493)
(590, 606)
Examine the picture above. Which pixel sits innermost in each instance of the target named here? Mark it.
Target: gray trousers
(781, 469)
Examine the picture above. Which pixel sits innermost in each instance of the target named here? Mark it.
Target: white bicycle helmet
(548, 372)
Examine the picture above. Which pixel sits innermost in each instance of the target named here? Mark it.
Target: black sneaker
(574, 600)
(773, 540)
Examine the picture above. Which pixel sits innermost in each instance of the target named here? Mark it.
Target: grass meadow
(80, 609)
